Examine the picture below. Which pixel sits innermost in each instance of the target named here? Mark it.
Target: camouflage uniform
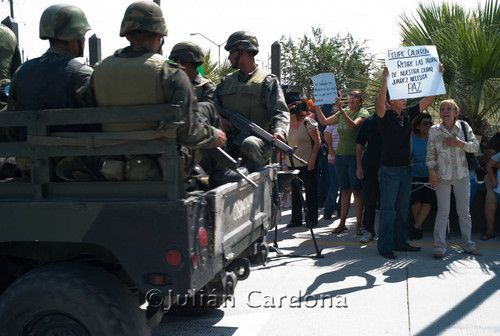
(136, 75)
(54, 80)
(204, 89)
(259, 98)
(10, 59)
(188, 52)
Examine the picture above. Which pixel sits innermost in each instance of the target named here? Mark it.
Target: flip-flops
(487, 236)
(339, 229)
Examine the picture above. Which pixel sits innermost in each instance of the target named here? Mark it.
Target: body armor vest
(43, 85)
(246, 98)
(120, 81)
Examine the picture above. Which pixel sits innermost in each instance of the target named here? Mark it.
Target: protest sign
(413, 72)
(325, 88)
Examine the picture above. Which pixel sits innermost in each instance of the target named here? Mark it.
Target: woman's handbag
(323, 146)
(471, 157)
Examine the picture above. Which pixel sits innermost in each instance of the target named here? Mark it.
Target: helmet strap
(80, 48)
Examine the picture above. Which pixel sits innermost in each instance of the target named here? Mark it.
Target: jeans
(323, 181)
(345, 166)
(331, 203)
(395, 191)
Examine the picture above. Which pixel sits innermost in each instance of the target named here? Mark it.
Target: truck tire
(70, 299)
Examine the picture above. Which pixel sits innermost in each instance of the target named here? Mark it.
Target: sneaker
(366, 237)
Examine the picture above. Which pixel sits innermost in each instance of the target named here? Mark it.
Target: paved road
(354, 291)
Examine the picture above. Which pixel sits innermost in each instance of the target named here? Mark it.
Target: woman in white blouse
(448, 167)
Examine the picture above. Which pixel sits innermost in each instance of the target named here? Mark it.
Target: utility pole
(11, 8)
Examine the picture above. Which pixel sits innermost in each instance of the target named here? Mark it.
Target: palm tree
(211, 69)
(469, 47)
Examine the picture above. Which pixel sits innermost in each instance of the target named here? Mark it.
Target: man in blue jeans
(394, 174)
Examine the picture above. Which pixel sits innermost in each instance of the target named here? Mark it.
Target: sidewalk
(352, 290)
(414, 294)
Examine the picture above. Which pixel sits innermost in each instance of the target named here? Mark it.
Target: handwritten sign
(413, 72)
(325, 88)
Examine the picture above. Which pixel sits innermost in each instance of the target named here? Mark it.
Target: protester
(305, 135)
(494, 178)
(490, 204)
(423, 198)
(395, 169)
(367, 168)
(448, 168)
(349, 121)
(331, 204)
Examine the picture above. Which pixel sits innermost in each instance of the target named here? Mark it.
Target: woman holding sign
(349, 121)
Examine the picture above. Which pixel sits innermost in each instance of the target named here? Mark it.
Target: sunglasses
(355, 96)
(426, 123)
(232, 51)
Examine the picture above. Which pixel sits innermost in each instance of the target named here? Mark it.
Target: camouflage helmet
(243, 40)
(187, 52)
(63, 22)
(143, 15)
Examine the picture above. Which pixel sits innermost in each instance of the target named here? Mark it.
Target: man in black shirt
(367, 168)
(394, 174)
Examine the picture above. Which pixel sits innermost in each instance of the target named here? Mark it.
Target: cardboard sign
(414, 72)
(325, 88)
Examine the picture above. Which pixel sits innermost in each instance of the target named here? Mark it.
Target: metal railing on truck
(40, 146)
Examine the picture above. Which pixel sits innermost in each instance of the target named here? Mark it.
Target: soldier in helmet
(10, 60)
(190, 56)
(140, 75)
(55, 79)
(254, 94)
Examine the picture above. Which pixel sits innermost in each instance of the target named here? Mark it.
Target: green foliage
(469, 47)
(343, 56)
(212, 70)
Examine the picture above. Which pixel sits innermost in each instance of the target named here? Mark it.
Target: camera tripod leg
(298, 184)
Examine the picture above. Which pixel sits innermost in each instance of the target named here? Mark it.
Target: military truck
(110, 257)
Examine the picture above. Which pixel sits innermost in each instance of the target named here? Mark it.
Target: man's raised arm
(380, 105)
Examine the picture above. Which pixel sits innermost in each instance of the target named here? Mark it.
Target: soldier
(254, 94)
(10, 60)
(55, 79)
(190, 56)
(139, 75)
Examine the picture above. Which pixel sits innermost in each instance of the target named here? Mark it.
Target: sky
(373, 21)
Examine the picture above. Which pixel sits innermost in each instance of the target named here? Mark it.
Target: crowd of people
(395, 159)
(399, 161)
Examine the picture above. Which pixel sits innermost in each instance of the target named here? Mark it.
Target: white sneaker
(366, 237)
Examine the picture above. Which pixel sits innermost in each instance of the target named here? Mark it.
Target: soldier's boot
(219, 176)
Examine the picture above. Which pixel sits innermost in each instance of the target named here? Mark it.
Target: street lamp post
(218, 45)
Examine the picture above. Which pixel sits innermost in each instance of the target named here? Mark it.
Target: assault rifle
(247, 128)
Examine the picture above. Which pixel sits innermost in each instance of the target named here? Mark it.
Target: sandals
(359, 231)
(487, 236)
(339, 229)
